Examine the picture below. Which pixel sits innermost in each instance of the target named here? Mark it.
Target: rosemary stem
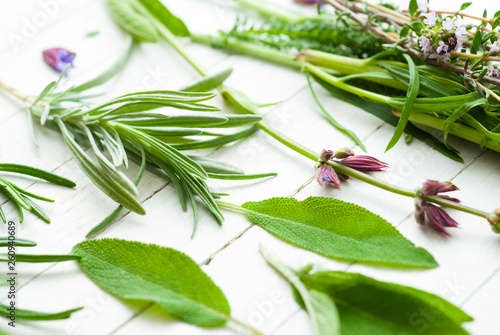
(14, 92)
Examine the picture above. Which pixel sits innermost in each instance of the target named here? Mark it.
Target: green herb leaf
(337, 229)
(476, 43)
(33, 315)
(465, 5)
(38, 173)
(412, 8)
(209, 83)
(319, 306)
(39, 258)
(332, 120)
(368, 306)
(19, 242)
(147, 272)
(413, 89)
(162, 14)
(131, 21)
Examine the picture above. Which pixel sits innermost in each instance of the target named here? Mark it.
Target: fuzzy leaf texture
(368, 306)
(337, 229)
(147, 272)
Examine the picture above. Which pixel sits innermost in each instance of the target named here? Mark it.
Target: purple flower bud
(326, 155)
(327, 174)
(58, 58)
(439, 219)
(343, 153)
(435, 215)
(433, 187)
(306, 2)
(364, 163)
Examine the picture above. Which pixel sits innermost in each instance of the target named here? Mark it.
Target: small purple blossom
(306, 2)
(346, 157)
(431, 214)
(493, 72)
(495, 47)
(448, 24)
(425, 44)
(458, 46)
(326, 174)
(364, 163)
(422, 6)
(59, 58)
(430, 19)
(460, 32)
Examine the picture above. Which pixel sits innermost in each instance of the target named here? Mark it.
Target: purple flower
(422, 6)
(448, 25)
(58, 58)
(327, 174)
(430, 19)
(495, 47)
(458, 46)
(431, 214)
(493, 72)
(425, 44)
(460, 32)
(364, 163)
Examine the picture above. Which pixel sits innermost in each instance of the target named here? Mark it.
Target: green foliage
(337, 229)
(147, 272)
(413, 88)
(39, 258)
(24, 314)
(165, 17)
(321, 309)
(19, 242)
(127, 17)
(317, 34)
(21, 197)
(368, 306)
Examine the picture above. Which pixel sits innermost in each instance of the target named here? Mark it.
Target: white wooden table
(468, 274)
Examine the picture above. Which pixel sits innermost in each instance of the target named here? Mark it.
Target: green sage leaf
(337, 229)
(368, 306)
(147, 272)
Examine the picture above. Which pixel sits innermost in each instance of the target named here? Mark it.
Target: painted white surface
(469, 262)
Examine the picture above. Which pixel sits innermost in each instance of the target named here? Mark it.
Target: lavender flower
(460, 32)
(431, 214)
(493, 72)
(344, 156)
(422, 6)
(58, 58)
(448, 25)
(495, 47)
(306, 2)
(425, 44)
(430, 19)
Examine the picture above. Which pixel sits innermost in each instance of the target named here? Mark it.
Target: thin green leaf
(337, 229)
(332, 120)
(37, 173)
(476, 43)
(216, 142)
(209, 83)
(19, 242)
(465, 5)
(37, 210)
(39, 258)
(171, 279)
(413, 89)
(34, 315)
(241, 176)
(321, 309)
(458, 113)
(412, 8)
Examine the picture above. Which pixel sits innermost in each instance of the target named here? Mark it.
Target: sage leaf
(368, 306)
(337, 229)
(147, 272)
(33, 315)
(319, 306)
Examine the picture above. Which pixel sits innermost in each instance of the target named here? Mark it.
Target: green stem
(233, 207)
(244, 325)
(247, 48)
(264, 9)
